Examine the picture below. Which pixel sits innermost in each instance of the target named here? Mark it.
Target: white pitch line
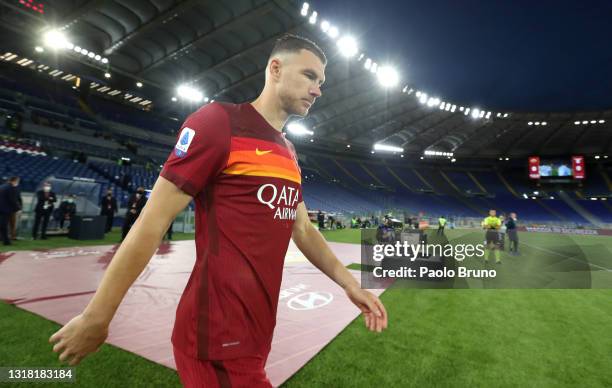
(567, 257)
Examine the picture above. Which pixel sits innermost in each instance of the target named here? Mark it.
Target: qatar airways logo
(282, 201)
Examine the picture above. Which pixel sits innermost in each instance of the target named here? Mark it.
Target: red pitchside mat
(57, 284)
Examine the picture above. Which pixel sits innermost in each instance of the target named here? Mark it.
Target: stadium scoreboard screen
(558, 169)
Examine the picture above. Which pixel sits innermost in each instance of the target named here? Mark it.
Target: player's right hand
(78, 338)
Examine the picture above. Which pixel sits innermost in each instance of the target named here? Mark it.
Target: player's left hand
(372, 308)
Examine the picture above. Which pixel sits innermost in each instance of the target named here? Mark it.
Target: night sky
(500, 55)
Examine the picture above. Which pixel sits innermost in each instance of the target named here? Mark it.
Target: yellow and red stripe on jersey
(255, 157)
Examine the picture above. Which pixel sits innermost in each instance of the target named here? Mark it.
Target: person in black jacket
(512, 234)
(44, 208)
(67, 210)
(135, 205)
(108, 208)
(9, 204)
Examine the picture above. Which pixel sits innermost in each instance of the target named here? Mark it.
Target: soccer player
(234, 161)
(492, 224)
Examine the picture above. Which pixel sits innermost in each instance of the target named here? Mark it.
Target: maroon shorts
(239, 372)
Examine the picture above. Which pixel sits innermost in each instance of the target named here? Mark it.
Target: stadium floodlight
(91, 55)
(348, 46)
(104, 60)
(585, 122)
(466, 111)
(593, 121)
(97, 57)
(475, 113)
(418, 94)
(488, 115)
(305, 7)
(55, 39)
(402, 155)
(544, 123)
(348, 146)
(313, 17)
(39, 49)
(536, 193)
(423, 98)
(498, 114)
(537, 123)
(507, 159)
(442, 105)
(174, 99)
(367, 64)
(189, 93)
(596, 156)
(576, 122)
(206, 99)
(525, 196)
(77, 49)
(84, 52)
(602, 121)
(387, 76)
(505, 115)
(333, 32)
(388, 148)
(139, 84)
(107, 75)
(298, 129)
(461, 109)
(374, 68)
(312, 140)
(325, 26)
(501, 158)
(482, 113)
(453, 160)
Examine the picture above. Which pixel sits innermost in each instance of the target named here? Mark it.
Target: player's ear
(274, 68)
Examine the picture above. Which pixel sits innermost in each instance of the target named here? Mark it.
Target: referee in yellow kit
(491, 224)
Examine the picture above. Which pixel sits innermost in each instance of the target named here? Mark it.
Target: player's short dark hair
(293, 44)
(13, 179)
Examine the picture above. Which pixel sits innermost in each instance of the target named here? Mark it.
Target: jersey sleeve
(201, 150)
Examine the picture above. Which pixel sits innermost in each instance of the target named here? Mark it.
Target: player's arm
(86, 332)
(312, 244)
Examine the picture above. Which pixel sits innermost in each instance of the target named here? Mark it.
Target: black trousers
(127, 225)
(44, 217)
(109, 222)
(4, 228)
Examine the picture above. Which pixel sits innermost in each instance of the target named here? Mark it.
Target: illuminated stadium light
(488, 115)
(466, 111)
(602, 121)
(77, 49)
(410, 91)
(585, 122)
(402, 155)
(91, 55)
(475, 113)
(576, 122)
(551, 197)
(333, 32)
(348, 46)
(537, 123)
(544, 123)
(387, 76)
(367, 64)
(388, 148)
(593, 121)
(482, 113)
(505, 115)
(605, 156)
(305, 7)
(139, 84)
(442, 105)
(104, 60)
(431, 101)
(498, 114)
(448, 107)
(361, 56)
(312, 140)
(374, 68)
(404, 89)
(107, 75)
(461, 109)
(453, 160)
(593, 199)
(84, 52)
(525, 196)
(423, 98)
(507, 159)
(418, 94)
(453, 108)
(536, 193)
(422, 158)
(97, 57)
(174, 99)
(206, 99)
(39, 49)
(313, 17)
(189, 93)
(55, 39)
(348, 146)
(501, 158)
(596, 156)
(325, 26)
(298, 129)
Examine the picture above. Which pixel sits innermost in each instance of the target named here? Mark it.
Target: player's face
(492, 213)
(300, 82)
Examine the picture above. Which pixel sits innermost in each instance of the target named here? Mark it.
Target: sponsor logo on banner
(310, 301)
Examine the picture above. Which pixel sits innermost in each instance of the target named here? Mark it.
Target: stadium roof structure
(221, 48)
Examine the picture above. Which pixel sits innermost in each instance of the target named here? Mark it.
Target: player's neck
(271, 111)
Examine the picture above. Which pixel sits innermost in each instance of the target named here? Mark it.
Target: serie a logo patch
(184, 141)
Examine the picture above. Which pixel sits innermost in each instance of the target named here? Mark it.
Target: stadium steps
(400, 180)
(505, 182)
(580, 210)
(347, 172)
(423, 179)
(450, 182)
(322, 171)
(370, 173)
(476, 182)
(552, 211)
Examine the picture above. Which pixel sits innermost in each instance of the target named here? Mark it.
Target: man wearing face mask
(9, 204)
(67, 210)
(44, 207)
(137, 201)
(108, 208)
